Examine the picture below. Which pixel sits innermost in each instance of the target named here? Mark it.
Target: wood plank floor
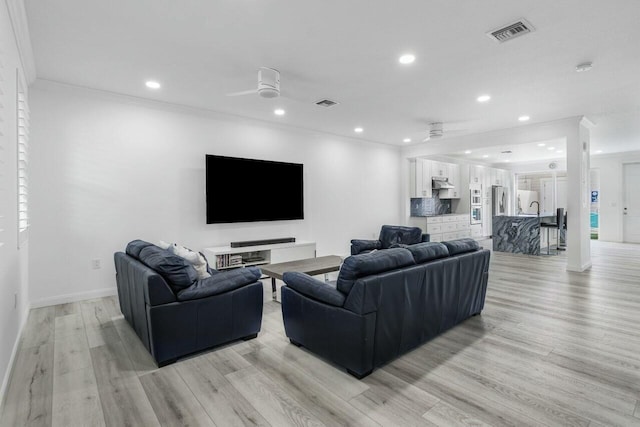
(551, 348)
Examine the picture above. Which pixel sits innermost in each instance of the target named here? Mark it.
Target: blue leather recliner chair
(391, 236)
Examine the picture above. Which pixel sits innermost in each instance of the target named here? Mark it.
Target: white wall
(108, 169)
(612, 193)
(13, 261)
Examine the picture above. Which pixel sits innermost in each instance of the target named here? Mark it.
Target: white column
(578, 197)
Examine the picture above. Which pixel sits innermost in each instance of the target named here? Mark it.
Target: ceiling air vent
(507, 152)
(511, 31)
(326, 103)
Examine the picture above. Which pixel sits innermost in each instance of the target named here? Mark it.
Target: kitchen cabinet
(454, 176)
(420, 178)
(476, 175)
(500, 177)
(450, 193)
(448, 227)
(440, 169)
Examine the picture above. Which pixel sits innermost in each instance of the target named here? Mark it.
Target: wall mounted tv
(247, 190)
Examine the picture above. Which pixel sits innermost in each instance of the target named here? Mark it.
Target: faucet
(537, 203)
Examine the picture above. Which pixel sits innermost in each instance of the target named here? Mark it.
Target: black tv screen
(247, 190)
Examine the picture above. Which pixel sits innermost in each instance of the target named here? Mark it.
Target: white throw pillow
(163, 245)
(193, 258)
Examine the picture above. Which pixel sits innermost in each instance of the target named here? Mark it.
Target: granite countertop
(432, 215)
(542, 215)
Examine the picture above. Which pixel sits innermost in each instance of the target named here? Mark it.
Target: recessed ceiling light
(507, 161)
(598, 151)
(467, 152)
(407, 58)
(358, 130)
(279, 112)
(523, 118)
(559, 151)
(151, 84)
(406, 140)
(484, 98)
(551, 148)
(542, 144)
(485, 156)
(585, 66)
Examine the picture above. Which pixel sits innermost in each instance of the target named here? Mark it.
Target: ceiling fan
(437, 130)
(268, 84)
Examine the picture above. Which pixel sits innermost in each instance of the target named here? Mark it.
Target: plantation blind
(23, 160)
(3, 154)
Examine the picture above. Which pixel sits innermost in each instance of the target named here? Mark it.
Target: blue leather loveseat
(174, 313)
(385, 303)
(391, 236)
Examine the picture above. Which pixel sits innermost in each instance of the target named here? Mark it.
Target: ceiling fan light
(268, 92)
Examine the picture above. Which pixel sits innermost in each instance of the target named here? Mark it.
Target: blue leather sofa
(385, 303)
(174, 313)
(391, 236)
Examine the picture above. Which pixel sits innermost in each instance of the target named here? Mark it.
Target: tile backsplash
(423, 206)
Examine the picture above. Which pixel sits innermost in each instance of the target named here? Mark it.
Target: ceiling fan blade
(244, 92)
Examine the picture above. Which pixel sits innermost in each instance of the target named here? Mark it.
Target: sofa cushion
(358, 246)
(425, 252)
(313, 288)
(362, 265)
(135, 246)
(220, 283)
(175, 270)
(461, 246)
(393, 234)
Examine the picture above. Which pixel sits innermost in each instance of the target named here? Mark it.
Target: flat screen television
(248, 190)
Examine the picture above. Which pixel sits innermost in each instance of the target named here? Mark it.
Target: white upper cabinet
(454, 176)
(420, 178)
(440, 169)
(476, 175)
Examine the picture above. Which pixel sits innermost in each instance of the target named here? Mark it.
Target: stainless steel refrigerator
(499, 201)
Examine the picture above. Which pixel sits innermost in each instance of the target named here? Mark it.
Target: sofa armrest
(359, 246)
(313, 288)
(219, 283)
(425, 237)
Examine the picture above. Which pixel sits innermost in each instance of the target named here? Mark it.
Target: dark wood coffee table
(310, 266)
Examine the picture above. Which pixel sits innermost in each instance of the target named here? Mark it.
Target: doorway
(631, 209)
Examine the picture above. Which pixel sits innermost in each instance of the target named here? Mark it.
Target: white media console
(224, 257)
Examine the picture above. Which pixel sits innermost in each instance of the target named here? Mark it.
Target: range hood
(441, 183)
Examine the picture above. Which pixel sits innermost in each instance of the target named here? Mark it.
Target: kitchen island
(519, 234)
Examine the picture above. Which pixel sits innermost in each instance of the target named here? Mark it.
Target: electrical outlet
(15, 300)
(96, 264)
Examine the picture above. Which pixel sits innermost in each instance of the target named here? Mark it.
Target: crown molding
(19, 22)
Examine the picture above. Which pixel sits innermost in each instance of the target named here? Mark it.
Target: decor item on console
(385, 303)
(174, 313)
(390, 236)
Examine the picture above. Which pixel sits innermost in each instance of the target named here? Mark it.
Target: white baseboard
(12, 359)
(77, 296)
(579, 269)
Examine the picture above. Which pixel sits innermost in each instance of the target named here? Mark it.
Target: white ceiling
(347, 51)
(520, 153)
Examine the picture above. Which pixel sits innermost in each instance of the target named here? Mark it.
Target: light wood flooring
(551, 348)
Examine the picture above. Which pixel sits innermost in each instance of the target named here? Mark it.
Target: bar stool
(558, 225)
